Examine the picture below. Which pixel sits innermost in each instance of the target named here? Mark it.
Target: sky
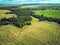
(27, 1)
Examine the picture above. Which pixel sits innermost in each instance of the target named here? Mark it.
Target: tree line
(22, 19)
(14, 21)
(50, 19)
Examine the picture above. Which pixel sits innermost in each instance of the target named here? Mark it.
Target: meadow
(3, 14)
(48, 13)
(38, 33)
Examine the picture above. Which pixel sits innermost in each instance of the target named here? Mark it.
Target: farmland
(48, 13)
(3, 14)
(37, 33)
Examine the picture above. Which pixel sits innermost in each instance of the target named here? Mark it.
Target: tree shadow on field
(50, 19)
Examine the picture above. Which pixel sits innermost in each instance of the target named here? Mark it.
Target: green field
(39, 33)
(48, 13)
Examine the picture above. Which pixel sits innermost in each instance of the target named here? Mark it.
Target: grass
(3, 14)
(39, 33)
(48, 13)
